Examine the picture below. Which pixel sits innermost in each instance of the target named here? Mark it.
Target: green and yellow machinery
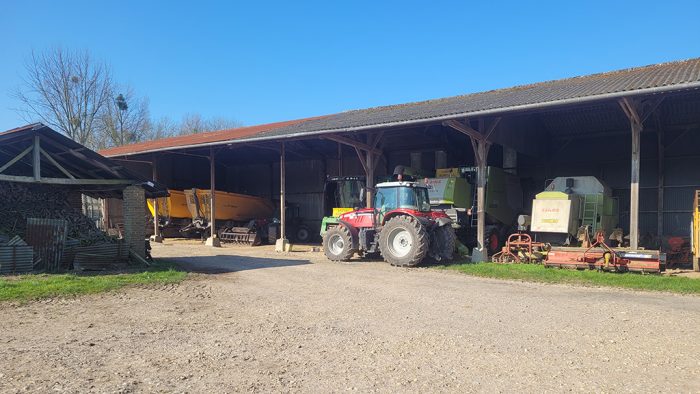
(453, 191)
(341, 194)
(573, 208)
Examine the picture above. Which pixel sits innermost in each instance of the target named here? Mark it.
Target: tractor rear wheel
(442, 243)
(337, 244)
(403, 241)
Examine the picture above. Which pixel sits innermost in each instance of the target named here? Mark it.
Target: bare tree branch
(66, 90)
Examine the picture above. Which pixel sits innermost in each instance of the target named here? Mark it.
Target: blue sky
(259, 62)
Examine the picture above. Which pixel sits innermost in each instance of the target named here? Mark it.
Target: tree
(66, 90)
(123, 120)
(195, 123)
(162, 128)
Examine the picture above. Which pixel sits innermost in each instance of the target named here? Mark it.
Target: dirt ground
(253, 320)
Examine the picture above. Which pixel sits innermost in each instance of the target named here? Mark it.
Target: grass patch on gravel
(538, 273)
(37, 286)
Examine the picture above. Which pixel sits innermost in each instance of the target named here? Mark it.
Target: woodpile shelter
(636, 130)
(43, 178)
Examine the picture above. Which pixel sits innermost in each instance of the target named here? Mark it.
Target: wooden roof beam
(355, 144)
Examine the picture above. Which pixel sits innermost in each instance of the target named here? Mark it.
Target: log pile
(22, 201)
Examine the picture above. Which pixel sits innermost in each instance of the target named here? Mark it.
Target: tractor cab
(411, 196)
(342, 194)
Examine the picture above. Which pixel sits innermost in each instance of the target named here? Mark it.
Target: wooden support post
(213, 240)
(480, 253)
(637, 111)
(282, 244)
(36, 152)
(340, 159)
(156, 218)
(660, 137)
(480, 144)
(630, 109)
(370, 179)
(634, 188)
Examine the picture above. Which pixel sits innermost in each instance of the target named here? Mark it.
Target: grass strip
(37, 286)
(538, 273)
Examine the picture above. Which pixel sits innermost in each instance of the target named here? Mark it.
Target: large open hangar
(638, 130)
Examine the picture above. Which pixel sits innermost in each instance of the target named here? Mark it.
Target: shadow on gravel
(220, 264)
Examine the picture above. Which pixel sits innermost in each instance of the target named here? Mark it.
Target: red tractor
(401, 227)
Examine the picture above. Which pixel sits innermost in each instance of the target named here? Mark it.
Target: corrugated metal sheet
(681, 75)
(199, 138)
(677, 224)
(679, 198)
(16, 259)
(47, 236)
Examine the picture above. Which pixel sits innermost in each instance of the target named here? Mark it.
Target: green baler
(454, 191)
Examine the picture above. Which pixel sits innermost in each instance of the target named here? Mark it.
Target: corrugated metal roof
(199, 138)
(664, 77)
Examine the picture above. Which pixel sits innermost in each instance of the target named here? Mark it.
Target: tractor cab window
(349, 194)
(414, 198)
(385, 199)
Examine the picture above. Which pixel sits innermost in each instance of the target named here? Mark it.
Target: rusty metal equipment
(248, 235)
(520, 248)
(678, 251)
(602, 257)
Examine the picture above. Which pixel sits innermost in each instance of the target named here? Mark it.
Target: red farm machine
(401, 227)
(574, 225)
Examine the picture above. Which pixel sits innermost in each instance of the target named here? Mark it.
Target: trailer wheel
(403, 241)
(337, 244)
(493, 242)
(302, 234)
(442, 243)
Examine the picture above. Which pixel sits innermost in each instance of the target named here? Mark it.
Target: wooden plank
(36, 151)
(55, 163)
(353, 143)
(464, 129)
(362, 161)
(16, 159)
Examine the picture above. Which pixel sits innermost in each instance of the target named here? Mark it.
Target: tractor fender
(439, 221)
(353, 231)
(422, 220)
(443, 221)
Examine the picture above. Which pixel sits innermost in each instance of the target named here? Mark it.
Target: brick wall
(134, 219)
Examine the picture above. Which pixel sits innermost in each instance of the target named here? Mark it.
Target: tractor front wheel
(403, 241)
(337, 244)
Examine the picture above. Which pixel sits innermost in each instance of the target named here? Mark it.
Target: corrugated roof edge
(485, 112)
(207, 138)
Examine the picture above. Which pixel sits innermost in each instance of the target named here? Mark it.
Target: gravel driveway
(259, 321)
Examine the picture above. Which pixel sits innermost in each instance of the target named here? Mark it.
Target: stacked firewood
(20, 201)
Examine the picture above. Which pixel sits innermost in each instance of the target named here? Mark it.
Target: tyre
(302, 234)
(403, 241)
(442, 243)
(337, 244)
(493, 242)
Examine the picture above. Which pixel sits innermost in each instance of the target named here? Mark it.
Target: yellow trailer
(229, 206)
(174, 206)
